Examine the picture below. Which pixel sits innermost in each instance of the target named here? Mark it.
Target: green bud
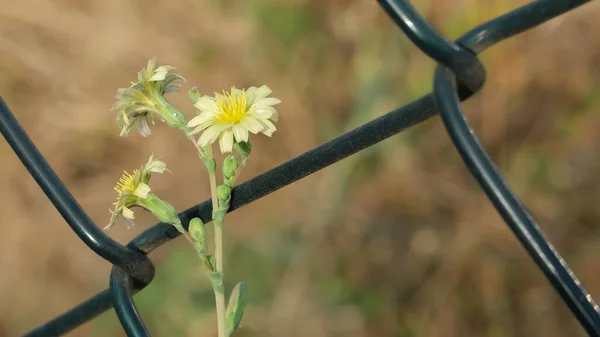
(235, 307)
(230, 166)
(194, 94)
(198, 233)
(209, 263)
(243, 149)
(223, 192)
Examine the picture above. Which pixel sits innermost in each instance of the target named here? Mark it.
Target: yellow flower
(133, 191)
(231, 116)
(138, 104)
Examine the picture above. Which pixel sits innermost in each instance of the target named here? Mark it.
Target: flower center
(126, 184)
(232, 107)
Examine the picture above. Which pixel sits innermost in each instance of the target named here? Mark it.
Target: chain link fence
(458, 76)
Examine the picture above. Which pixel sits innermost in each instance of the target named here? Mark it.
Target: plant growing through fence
(229, 118)
(459, 75)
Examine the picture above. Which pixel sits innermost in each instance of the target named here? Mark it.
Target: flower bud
(230, 166)
(223, 192)
(198, 233)
(194, 94)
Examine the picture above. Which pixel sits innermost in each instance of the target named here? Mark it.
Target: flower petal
(206, 103)
(240, 133)
(237, 92)
(262, 112)
(156, 166)
(275, 116)
(147, 72)
(251, 124)
(262, 92)
(202, 119)
(160, 73)
(226, 141)
(128, 223)
(268, 101)
(142, 190)
(211, 134)
(128, 213)
(251, 95)
(124, 131)
(142, 126)
(208, 137)
(269, 128)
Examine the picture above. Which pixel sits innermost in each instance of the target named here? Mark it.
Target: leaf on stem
(243, 149)
(219, 215)
(235, 307)
(216, 279)
(210, 164)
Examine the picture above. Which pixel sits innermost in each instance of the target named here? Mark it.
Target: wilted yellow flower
(144, 100)
(133, 190)
(233, 115)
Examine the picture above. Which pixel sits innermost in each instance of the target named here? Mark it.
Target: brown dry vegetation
(396, 241)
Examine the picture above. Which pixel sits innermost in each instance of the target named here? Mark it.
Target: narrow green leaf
(243, 149)
(210, 164)
(235, 307)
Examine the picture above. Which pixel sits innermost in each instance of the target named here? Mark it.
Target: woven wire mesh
(458, 76)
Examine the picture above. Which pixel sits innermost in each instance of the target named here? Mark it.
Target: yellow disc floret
(127, 183)
(232, 107)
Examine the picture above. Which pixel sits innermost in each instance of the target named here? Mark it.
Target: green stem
(186, 130)
(218, 255)
(219, 296)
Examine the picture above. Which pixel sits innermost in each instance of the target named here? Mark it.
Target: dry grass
(396, 241)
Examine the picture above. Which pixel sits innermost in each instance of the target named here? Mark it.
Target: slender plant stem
(219, 296)
(191, 138)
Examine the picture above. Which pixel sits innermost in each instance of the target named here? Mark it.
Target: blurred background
(397, 240)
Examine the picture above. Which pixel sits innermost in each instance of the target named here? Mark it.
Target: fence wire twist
(458, 76)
